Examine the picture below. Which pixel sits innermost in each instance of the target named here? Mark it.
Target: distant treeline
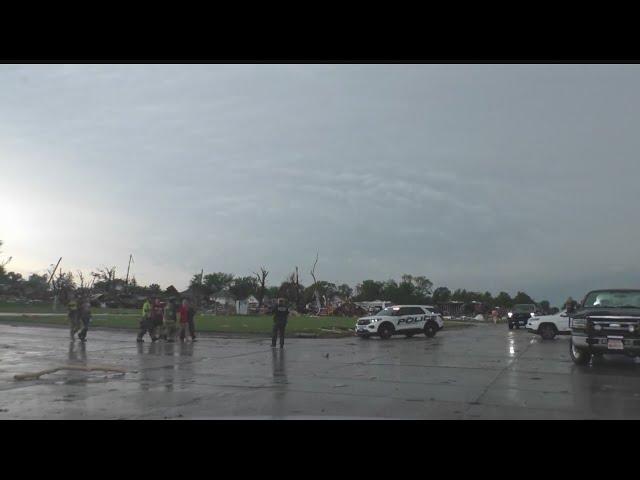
(409, 289)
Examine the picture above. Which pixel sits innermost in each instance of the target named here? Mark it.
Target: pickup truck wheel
(385, 331)
(430, 329)
(548, 331)
(578, 355)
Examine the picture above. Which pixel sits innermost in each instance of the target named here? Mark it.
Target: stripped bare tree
(4, 263)
(315, 283)
(84, 286)
(262, 288)
(63, 285)
(106, 275)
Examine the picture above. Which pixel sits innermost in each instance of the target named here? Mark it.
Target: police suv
(400, 320)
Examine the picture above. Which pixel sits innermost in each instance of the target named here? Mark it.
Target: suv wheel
(578, 355)
(385, 331)
(548, 331)
(430, 329)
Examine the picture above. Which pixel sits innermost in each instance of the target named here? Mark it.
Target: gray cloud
(502, 177)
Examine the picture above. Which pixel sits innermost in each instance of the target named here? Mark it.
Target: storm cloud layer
(485, 177)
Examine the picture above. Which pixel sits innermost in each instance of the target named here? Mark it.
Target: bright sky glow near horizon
(484, 177)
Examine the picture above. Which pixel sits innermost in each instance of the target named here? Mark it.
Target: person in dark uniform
(280, 315)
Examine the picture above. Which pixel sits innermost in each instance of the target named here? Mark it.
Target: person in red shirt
(183, 313)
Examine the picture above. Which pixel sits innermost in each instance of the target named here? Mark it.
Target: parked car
(548, 326)
(520, 314)
(606, 321)
(400, 320)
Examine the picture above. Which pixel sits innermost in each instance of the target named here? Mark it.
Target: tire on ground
(578, 355)
(430, 329)
(386, 330)
(547, 331)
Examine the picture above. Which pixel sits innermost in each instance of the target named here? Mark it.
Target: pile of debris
(349, 310)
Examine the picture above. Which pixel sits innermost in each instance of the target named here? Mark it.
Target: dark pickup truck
(520, 314)
(606, 322)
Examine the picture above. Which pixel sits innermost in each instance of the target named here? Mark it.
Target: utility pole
(297, 291)
(54, 271)
(55, 294)
(126, 282)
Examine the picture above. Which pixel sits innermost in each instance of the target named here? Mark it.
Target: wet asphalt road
(483, 372)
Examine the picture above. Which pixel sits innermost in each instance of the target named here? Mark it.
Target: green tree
(242, 287)
(488, 299)
(196, 281)
(390, 291)
(272, 292)
(37, 284)
(422, 285)
(324, 289)
(291, 292)
(345, 291)
(522, 297)
(369, 290)
(217, 282)
(504, 300)
(459, 295)
(441, 295)
(406, 291)
(14, 278)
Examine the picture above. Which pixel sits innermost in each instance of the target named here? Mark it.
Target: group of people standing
(166, 321)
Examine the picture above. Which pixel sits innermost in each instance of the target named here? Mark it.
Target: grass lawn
(222, 323)
(8, 307)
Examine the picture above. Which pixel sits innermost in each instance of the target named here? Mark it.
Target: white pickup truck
(548, 326)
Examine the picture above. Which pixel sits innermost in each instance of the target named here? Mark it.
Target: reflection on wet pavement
(481, 372)
(279, 366)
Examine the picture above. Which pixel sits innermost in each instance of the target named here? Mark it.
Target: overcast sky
(485, 177)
